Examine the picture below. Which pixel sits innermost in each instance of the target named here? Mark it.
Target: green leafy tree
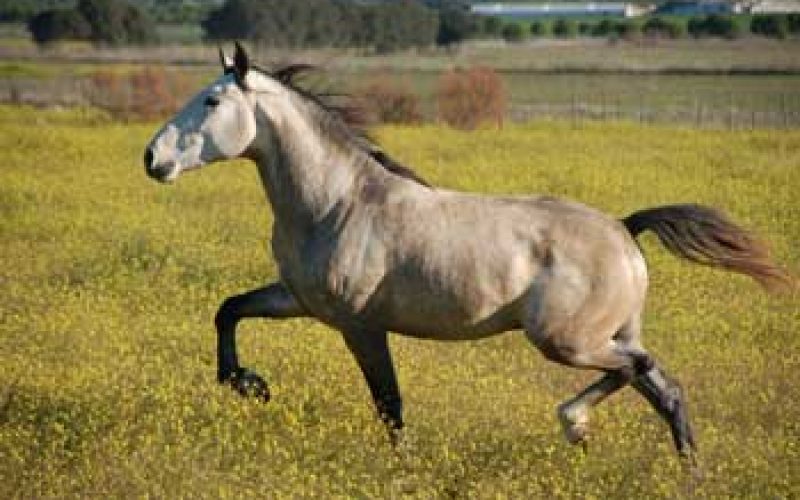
(324, 23)
(513, 32)
(492, 26)
(52, 25)
(713, 25)
(456, 23)
(771, 25)
(116, 22)
(538, 28)
(660, 27)
(564, 28)
(108, 21)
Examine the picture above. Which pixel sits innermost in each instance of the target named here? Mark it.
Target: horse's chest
(333, 278)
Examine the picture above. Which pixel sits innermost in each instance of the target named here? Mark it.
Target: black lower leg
(272, 301)
(371, 351)
(666, 396)
(227, 359)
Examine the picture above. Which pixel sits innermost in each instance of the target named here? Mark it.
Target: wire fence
(735, 116)
(734, 111)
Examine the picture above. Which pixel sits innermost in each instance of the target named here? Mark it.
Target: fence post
(785, 111)
(730, 111)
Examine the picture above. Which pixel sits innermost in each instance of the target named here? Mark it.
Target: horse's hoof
(689, 460)
(577, 434)
(575, 425)
(250, 384)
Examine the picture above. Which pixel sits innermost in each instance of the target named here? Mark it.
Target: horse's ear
(241, 63)
(225, 61)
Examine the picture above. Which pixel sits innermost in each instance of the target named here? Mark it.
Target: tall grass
(110, 283)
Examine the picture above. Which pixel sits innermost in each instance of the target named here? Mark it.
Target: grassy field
(748, 83)
(110, 283)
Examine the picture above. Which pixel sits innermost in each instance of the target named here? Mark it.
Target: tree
(538, 28)
(771, 25)
(660, 27)
(513, 32)
(713, 25)
(384, 27)
(492, 26)
(52, 25)
(456, 23)
(110, 21)
(235, 19)
(116, 22)
(564, 28)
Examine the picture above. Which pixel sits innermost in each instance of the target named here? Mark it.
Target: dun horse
(367, 247)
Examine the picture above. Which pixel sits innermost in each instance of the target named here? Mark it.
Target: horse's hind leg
(273, 301)
(574, 413)
(621, 358)
(666, 396)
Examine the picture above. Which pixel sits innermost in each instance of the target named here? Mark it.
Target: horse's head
(217, 124)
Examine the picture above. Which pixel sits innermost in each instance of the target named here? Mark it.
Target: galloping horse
(366, 246)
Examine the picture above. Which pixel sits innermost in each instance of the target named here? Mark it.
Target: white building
(772, 7)
(560, 9)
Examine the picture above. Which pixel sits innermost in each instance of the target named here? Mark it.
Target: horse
(366, 246)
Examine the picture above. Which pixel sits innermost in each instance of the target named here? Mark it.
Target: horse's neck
(309, 175)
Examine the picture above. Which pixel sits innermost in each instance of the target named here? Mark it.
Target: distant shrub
(141, 95)
(492, 26)
(793, 22)
(660, 27)
(627, 29)
(469, 98)
(585, 28)
(771, 25)
(538, 28)
(713, 25)
(52, 25)
(603, 28)
(117, 22)
(513, 32)
(564, 28)
(388, 101)
(616, 29)
(109, 21)
(456, 23)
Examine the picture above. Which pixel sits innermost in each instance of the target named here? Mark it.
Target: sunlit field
(110, 283)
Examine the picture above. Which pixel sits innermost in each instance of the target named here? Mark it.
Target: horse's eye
(211, 101)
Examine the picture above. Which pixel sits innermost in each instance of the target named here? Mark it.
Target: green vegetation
(324, 23)
(374, 25)
(110, 283)
(115, 22)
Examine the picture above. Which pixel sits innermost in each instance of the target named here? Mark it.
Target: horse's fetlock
(574, 420)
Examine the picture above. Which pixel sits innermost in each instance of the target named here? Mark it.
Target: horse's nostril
(148, 158)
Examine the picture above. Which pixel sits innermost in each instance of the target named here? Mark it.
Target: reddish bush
(144, 94)
(471, 97)
(389, 101)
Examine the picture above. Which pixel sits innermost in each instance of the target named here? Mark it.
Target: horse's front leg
(371, 350)
(273, 301)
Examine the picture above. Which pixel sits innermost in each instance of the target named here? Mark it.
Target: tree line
(379, 25)
(704, 26)
(324, 23)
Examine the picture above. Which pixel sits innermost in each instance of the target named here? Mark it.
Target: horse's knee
(227, 316)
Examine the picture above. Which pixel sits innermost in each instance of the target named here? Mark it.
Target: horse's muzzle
(161, 173)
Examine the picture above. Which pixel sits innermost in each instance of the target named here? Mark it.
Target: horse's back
(462, 265)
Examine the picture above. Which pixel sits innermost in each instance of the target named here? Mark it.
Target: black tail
(706, 236)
